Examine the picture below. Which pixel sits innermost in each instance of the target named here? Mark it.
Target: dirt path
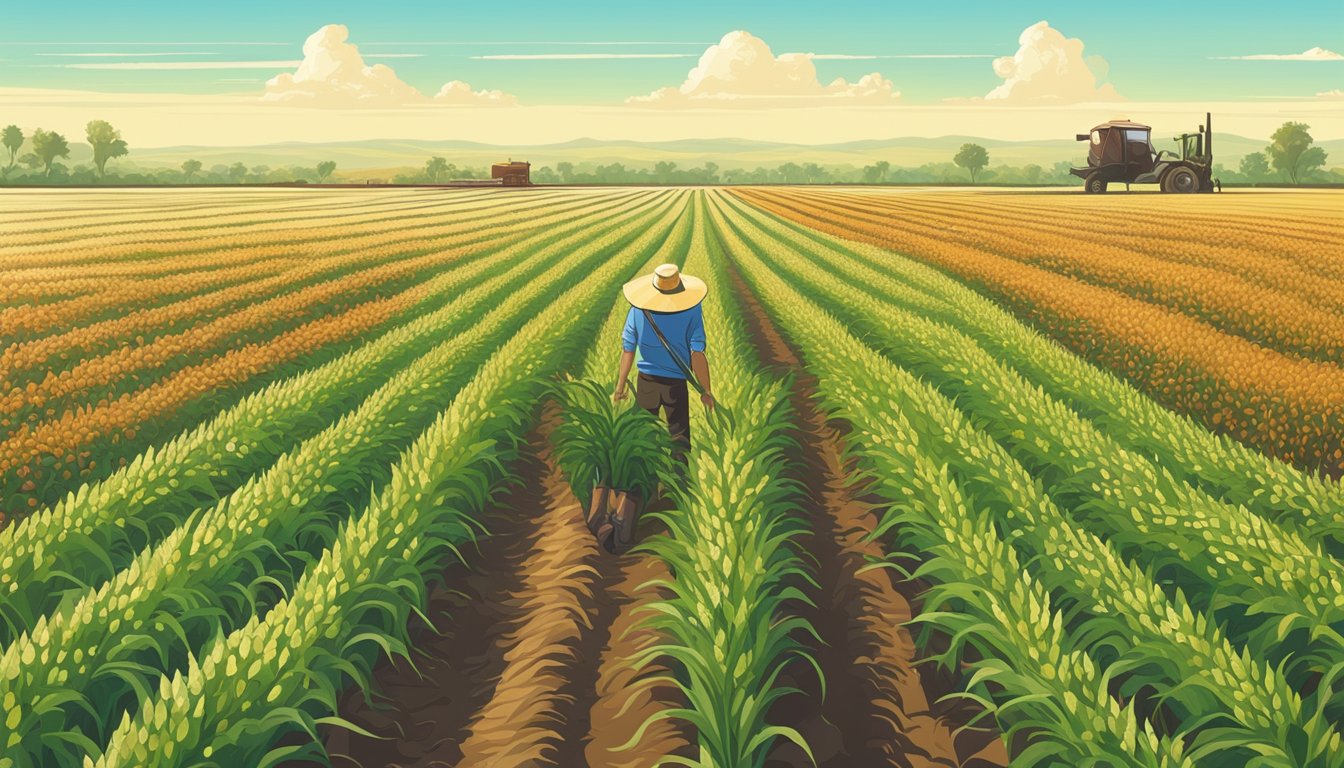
(877, 710)
(532, 667)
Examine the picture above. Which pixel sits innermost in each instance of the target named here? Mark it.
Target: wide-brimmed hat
(666, 290)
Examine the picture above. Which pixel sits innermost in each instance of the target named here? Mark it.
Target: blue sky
(1155, 51)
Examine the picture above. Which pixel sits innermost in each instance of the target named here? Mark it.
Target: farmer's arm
(700, 367)
(629, 338)
(700, 363)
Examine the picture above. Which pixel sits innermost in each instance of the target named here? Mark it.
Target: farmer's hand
(619, 394)
(708, 400)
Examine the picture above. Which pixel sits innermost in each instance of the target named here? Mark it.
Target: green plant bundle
(1044, 683)
(92, 534)
(617, 445)
(1222, 466)
(1239, 702)
(205, 577)
(281, 674)
(728, 627)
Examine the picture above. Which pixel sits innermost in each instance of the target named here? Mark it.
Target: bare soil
(878, 708)
(532, 666)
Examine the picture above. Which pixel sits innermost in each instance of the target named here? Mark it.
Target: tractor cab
(1121, 145)
(1122, 151)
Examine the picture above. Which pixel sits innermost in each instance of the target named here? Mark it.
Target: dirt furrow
(533, 668)
(879, 710)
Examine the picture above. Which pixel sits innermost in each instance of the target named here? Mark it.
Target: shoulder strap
(686, 369)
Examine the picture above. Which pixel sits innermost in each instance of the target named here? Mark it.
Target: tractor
(1121, 151)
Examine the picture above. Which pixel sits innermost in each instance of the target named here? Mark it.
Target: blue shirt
(684, 330)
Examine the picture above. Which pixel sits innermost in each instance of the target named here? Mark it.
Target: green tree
(237, 172)
(324, 169)
(566, 171)
(1255, 166)
(49, 145)
(12, 139)
(663, 170)
(814, 174)
(191, 168)
(973, 158)
(1291, 153)
(106, 142)
(435, 168)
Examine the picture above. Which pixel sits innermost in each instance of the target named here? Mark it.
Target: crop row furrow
(52, 550)
(238, 543)
(276, 674)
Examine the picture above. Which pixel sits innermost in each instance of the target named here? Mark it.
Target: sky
(535, 72)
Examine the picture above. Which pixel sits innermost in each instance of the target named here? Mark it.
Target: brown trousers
(654, 392)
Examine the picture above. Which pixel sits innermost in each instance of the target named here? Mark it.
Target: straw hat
(666, 290)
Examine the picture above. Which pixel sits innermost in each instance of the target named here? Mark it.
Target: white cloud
(741, 70)
(333, 74)
(172, 66)
(1049, 67)
(458, 93)
(1332, 94)
(1311, 54)
(565, 56)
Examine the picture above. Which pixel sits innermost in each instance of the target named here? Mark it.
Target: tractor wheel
(1181, 180)
(1094, 184)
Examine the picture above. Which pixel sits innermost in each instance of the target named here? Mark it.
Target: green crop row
(209, 575)
(93, 533)
(727, 625)
(1161, 642)
(1029, 668)
(1220, 465)
(280, 674)
(1289, 592)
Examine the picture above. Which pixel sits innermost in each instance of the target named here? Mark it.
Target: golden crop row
(32, 452)
(1287, 407)
(47, 318)
(171, 210)
(137, 244)
(1299, 262)
(150, 252)
(1282, 320)
(91, 379)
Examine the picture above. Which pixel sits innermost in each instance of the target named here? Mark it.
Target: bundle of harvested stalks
(614, 455)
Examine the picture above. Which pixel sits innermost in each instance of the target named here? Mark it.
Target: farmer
(666, 326)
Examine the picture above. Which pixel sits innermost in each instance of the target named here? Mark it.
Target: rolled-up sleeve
(629, 336)
(695, 333)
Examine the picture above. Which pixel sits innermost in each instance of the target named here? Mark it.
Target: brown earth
(531, 668)
(878, 709)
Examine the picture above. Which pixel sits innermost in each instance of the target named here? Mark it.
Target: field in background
(264, 449)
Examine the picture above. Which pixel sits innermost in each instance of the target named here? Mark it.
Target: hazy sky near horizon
(597, 55)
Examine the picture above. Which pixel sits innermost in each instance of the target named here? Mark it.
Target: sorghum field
(996, 476)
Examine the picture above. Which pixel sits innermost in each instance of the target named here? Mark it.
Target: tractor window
(1136, 135)
(1096, 137)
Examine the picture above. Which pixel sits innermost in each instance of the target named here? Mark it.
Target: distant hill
(386, 155)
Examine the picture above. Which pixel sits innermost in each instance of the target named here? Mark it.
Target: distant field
(253, 442)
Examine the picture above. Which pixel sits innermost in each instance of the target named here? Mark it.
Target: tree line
(1291, 156)
(35, 158)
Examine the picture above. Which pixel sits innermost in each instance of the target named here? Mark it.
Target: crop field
(995, 478)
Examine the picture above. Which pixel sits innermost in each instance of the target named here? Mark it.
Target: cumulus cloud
(1311, 54)
(741, 70)
(1050, 68)
(456, 92)
(334, 74)
(1332, 94)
